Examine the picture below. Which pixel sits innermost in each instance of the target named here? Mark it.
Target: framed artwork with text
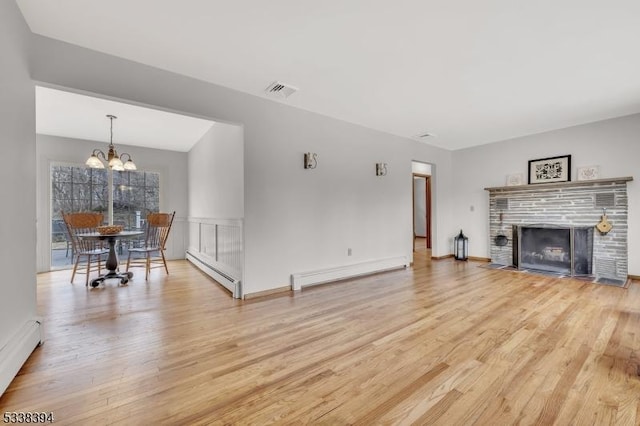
(548, 170)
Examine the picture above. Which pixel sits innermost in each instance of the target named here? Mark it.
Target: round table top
(99, 236)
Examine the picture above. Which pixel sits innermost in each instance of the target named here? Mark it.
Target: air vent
(425, 135)
(605, 199)
(606, 267)
(280, 90)
(502, 203)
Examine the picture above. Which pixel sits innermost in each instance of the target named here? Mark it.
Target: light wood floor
(420, 244)
(444, 343)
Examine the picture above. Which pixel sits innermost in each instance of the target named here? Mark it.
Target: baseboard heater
(17, 350)
(225, 280)
(303, 279)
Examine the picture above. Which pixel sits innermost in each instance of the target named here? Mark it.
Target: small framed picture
(515, 179)
(588, 173)
(547, 170)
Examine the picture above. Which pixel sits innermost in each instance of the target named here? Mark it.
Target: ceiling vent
(280, 90)
(425, 135)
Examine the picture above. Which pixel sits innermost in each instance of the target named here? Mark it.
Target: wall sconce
(381, 169)
(310, 160)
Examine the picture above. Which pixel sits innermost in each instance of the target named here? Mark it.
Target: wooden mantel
(573, 184)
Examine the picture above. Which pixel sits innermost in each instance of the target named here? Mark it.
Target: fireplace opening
(561, 250)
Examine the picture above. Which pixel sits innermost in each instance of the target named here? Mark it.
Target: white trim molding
(14, 354)
(302, 279)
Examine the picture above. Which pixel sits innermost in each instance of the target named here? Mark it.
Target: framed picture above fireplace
(553, 169)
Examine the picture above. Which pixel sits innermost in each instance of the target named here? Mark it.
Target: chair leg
(147, 267)
(128, 261)
(75, 267)
(86, 284)
(164, 261)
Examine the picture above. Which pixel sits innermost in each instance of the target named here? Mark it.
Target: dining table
(112, 258)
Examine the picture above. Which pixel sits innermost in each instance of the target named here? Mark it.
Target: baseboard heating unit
(230, 283)
(17, 350)
(321, 276)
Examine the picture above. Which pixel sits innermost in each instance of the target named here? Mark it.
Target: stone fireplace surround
(568, 204)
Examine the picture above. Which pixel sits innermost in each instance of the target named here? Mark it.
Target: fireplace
(558, 249)
(567, 205)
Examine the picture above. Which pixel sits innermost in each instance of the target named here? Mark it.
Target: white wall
(171, 165)
(216, 204)
(611, 144)
(295, 219)
(305, 220)
(421, 168)
(18, 215)
(216, 174)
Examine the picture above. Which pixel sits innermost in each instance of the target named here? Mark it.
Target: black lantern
(461, 246)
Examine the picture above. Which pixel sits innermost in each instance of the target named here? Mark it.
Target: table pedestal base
(112, 258)
(124, 278)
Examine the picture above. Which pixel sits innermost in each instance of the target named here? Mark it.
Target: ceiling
(470, 72)
(71, 115)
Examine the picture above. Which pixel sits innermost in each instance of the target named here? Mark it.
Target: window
(78, 188)
(135, 194)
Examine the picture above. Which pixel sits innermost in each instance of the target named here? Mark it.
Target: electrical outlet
(348, 252)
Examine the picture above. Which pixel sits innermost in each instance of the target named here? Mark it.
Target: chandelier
(98, 157)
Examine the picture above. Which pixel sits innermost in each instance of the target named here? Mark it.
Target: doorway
(421, 212)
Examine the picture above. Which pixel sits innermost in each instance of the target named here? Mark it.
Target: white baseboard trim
(232, 284)
(14, 354)
(303, 279)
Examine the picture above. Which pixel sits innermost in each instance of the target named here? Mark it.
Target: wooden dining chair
(87, 253)
(59, 231)
(152, 252)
